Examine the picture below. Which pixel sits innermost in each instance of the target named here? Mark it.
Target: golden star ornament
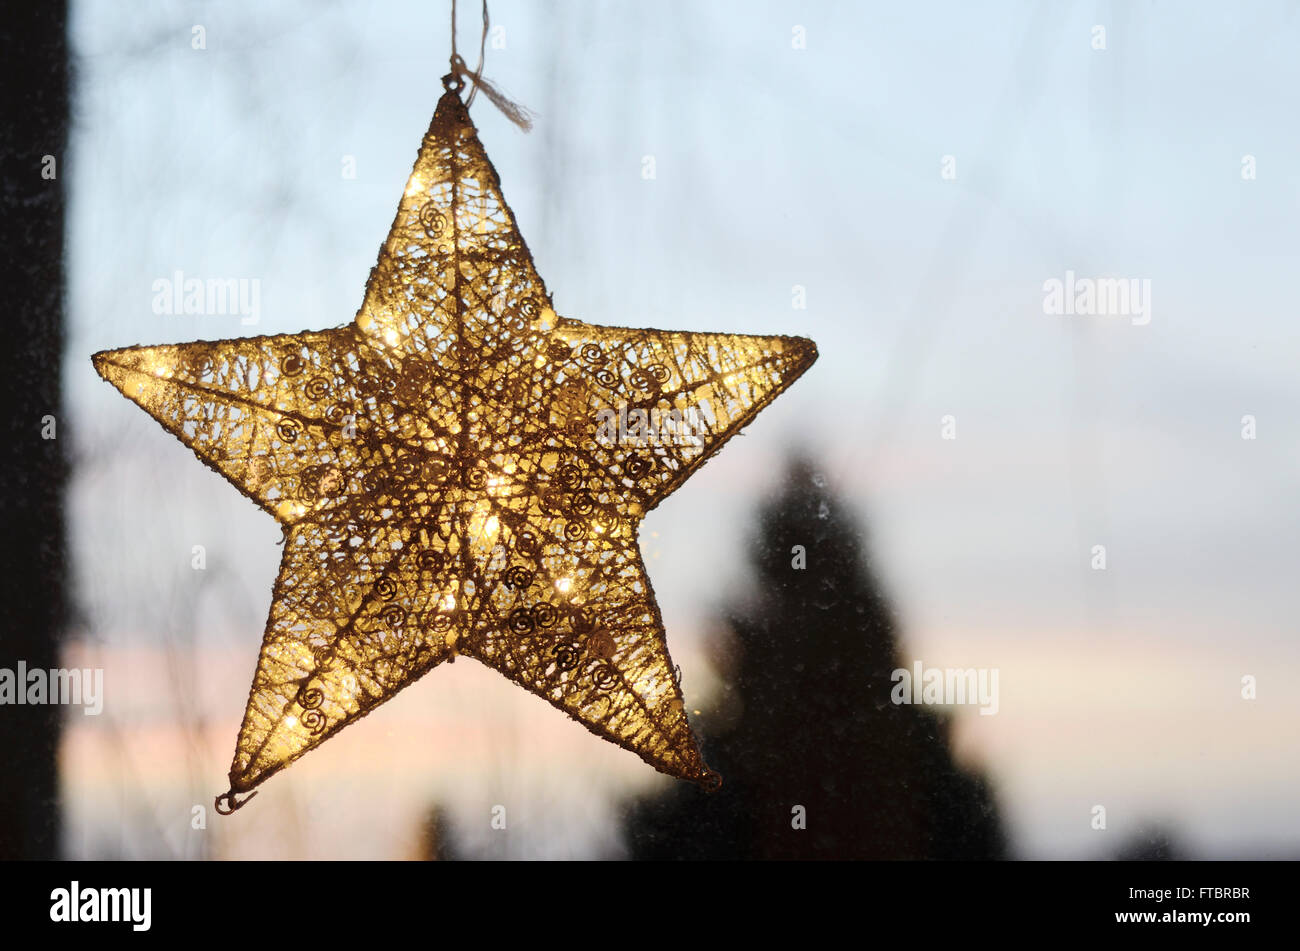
(459, 472)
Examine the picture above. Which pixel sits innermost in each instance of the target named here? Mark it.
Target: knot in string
(461, 73)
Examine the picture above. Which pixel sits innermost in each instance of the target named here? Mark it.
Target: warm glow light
(563, 585)
(483, 527)
(290, 510)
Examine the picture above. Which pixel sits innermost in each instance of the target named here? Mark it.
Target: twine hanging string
(460, 70)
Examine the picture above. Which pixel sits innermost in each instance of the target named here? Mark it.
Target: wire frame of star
(460, 472)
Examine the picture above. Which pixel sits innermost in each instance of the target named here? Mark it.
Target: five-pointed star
(460, 471)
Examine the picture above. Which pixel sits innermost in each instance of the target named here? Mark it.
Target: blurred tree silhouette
(1154, 842)
(435, 844)
(806, 719)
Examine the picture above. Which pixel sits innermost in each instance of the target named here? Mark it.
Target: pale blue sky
(775, 167)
